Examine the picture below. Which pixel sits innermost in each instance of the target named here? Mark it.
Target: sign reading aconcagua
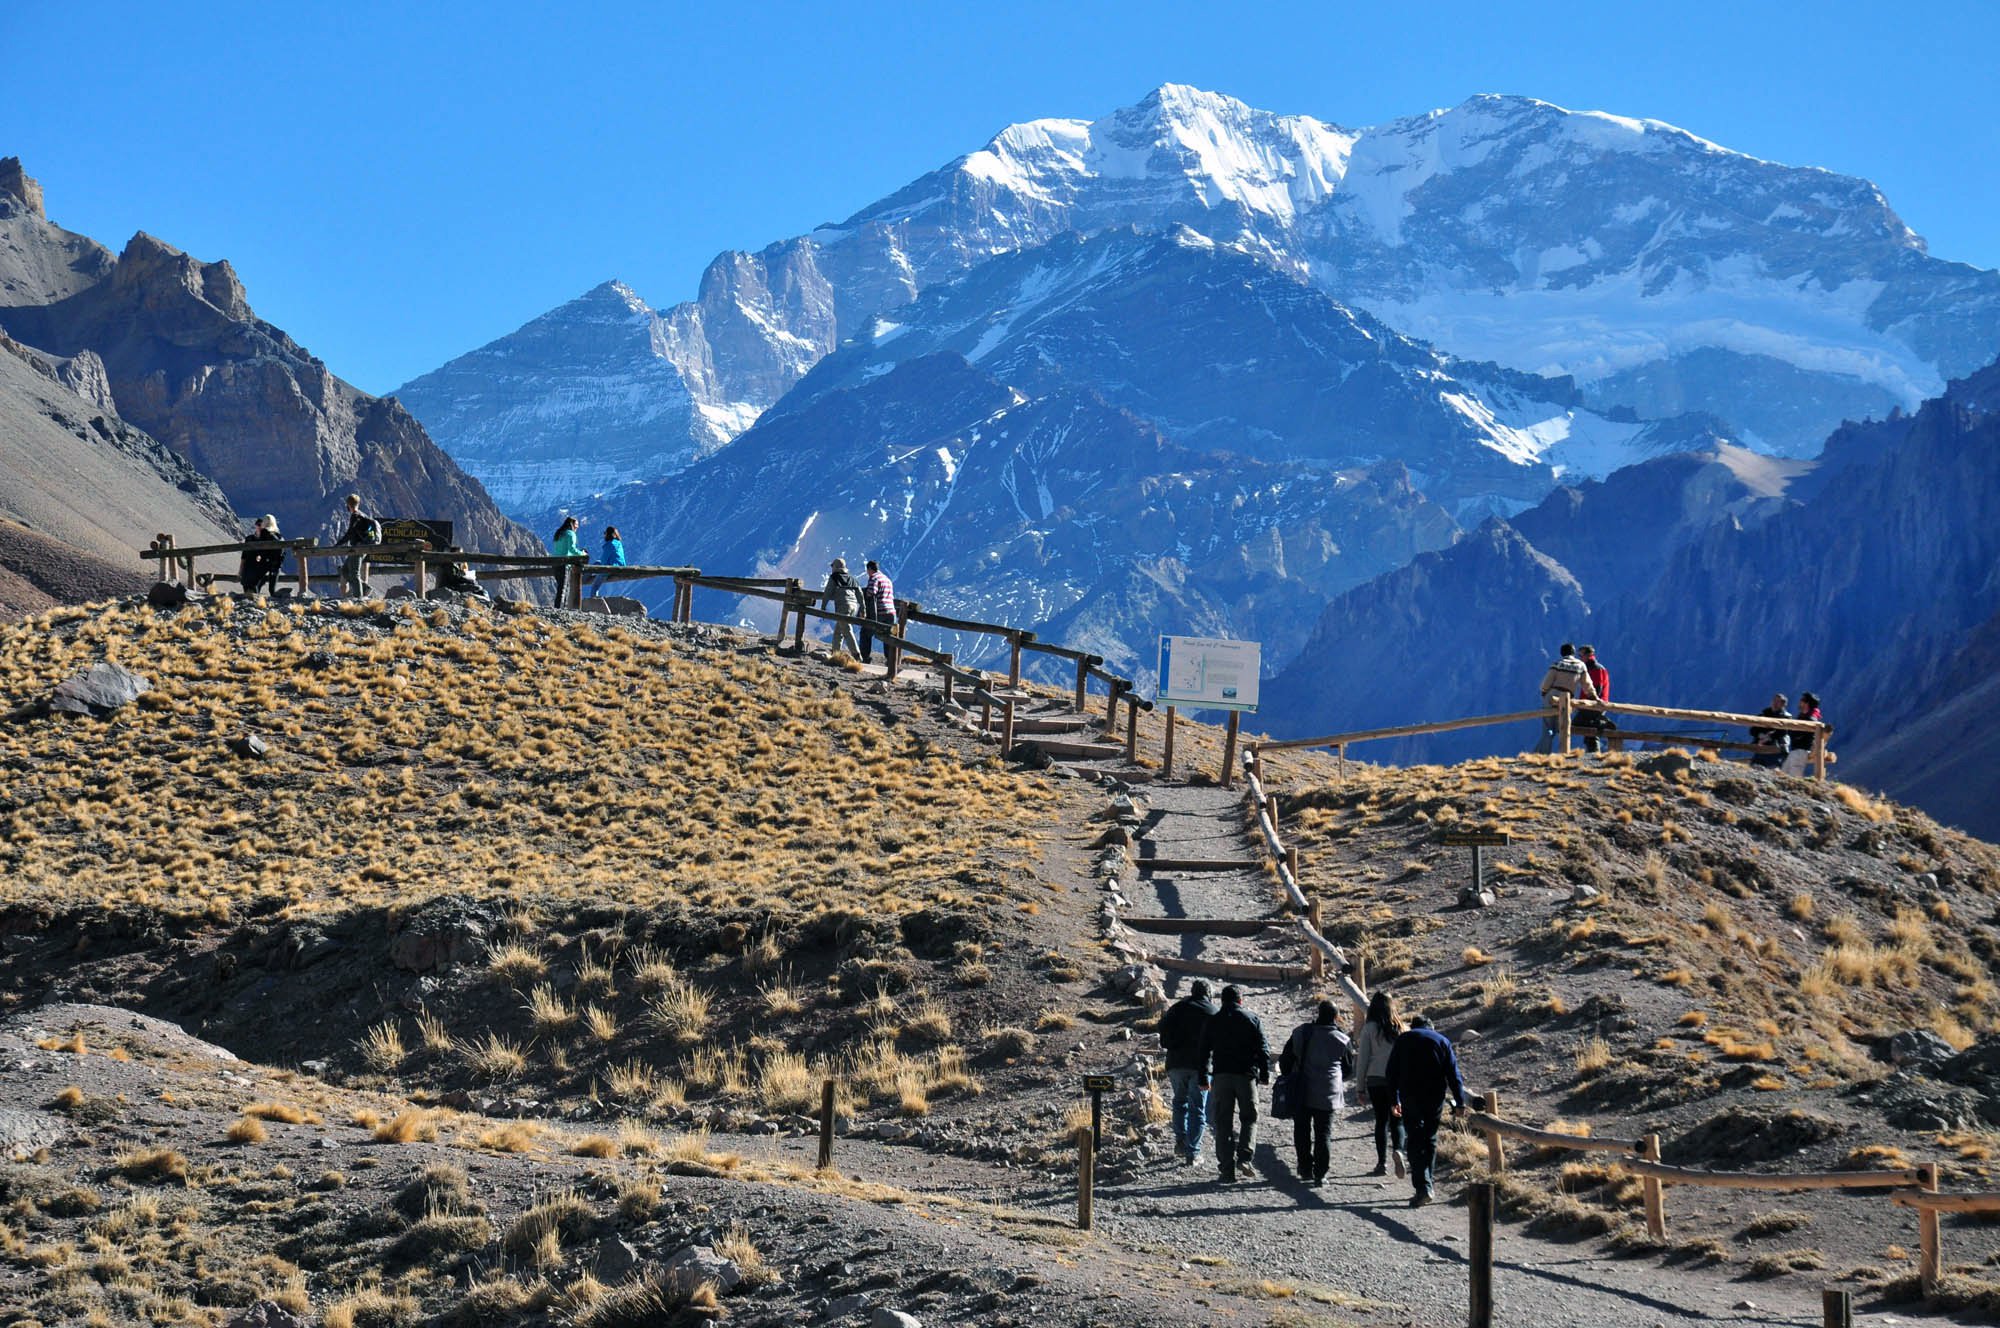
(1209, 673)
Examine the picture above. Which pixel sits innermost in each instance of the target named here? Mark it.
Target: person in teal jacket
(565, 544)
(613, 556)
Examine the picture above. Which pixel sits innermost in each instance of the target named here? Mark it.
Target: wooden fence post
(946, 665)
(1007, 725)
(1656, 1203)
(1562, 722)
(1132, 730)
(1836, 1309)
(985, 709)
(417, 572)
(1167, 751)
(1479, 1253)
(1086, 1178)
(1229, 751)
(1819, 754)
(1111, 709)
(799, 628)
(826, 1092)
(1341, 752)
(1014, 660)
(1496, 1151)
(1082, 686)
(1930, 1252)
(1292, 861)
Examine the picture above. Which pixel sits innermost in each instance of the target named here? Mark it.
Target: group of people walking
(1216, 1056)
(871, 599)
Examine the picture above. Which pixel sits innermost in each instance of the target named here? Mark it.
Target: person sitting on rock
(614, 556)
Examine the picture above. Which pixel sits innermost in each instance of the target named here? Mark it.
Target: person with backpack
(1568, 676)
(1316, 1057)
(842, 594)
(362, 531)
(1233, 1051)
(1423, 1071)
(614, 556)
(1371, 1067)
(878, 596)
(1181, 1028)
(1778, 738)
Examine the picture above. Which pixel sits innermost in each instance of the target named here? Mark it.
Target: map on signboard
(1208, 673)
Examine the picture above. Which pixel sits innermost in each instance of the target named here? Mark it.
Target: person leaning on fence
(362, 531)
(1371, 1067)
(1593, 725)
(842, 594)
(1800, 760)
(1568, 676)
(614, 556)
(1423, 1071)
(1778, 738)
(1181, 1028)
(260, 567)
(566, 544)
(1316, 1055)
(878, 594)
(1233, 1053)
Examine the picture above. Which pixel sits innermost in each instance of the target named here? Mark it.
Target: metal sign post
(1478, 841)
(1097, 1085)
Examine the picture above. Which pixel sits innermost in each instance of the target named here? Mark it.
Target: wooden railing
(1914, 1187)
(1561, 716)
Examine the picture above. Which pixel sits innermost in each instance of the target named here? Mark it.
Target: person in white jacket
(1371, 1067)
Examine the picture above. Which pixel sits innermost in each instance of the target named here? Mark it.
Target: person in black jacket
(1778, 738)
(1181, 1028)
(1316, 1054)
(1232, 1052)
(1423, 1069)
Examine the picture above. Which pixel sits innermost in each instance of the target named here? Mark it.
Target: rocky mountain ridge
(1661, 272)
(173, 343)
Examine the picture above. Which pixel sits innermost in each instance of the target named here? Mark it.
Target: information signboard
(1207, 673)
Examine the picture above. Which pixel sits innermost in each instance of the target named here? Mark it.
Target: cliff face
(185, 359)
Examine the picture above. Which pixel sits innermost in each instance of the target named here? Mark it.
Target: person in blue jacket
(1423, 1070)
(613, 556)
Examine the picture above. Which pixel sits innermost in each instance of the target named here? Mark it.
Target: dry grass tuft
(247, 1130)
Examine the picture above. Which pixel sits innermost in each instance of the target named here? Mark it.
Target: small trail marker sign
(1097, 1085)
(1208, 673)
(1478, 841)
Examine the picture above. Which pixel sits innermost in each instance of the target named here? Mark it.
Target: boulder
(618, 606)
(884, 1317)
(1471, 898)
(616, 1261)
(1667, 764)
(441, 933)
(99, 690)
(249, 745)
(265, 1314)
(1910, 1100)
(167, 595)
(1919, 1046)
(696, 1264)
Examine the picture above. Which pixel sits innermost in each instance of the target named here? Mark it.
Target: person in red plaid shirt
(878, 601)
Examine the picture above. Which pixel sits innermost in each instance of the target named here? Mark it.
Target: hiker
(260, 567)
(566, 544)
(1778, 738)
(1566, 675)
(1232, 1051)
(1423, 1070)
(1181, 1028)
(1593, 723)
(878, 596)
(1371, 1067)
(362, 530)
(614, 556)
(1318, 1053)
(842, 594)
(1799, 761)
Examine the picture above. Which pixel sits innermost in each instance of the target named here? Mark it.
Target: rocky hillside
(183, 357)
(1865, 580)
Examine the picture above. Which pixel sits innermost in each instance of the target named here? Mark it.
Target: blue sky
(400, 183)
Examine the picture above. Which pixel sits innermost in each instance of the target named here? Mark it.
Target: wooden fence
(1562, 716)
(1910, 1187)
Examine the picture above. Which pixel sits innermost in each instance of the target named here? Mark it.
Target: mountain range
(193, 391)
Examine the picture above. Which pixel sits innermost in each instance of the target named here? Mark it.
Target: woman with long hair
(1371, 1067)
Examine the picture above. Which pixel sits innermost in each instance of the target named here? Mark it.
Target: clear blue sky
(400, 183)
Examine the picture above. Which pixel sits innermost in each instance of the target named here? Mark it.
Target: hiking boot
(1381, 1169)
(1420, 1198)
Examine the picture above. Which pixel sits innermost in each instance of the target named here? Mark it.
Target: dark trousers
(1420, 1124)
(868, 635)
(1232, 1114)
(1388, 1125)
(1310, 1129)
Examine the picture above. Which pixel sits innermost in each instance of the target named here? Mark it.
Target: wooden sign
(1099, 1083)
(413, 530)
(1478, 839)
